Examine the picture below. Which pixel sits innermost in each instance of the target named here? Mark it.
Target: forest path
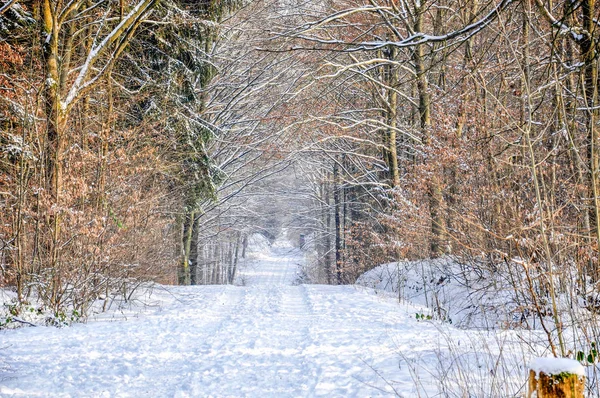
(265, 339)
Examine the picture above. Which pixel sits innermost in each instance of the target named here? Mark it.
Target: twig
(23, 322)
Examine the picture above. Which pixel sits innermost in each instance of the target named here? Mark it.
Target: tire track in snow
(297, 310)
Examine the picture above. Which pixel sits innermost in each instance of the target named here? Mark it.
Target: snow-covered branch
(81, 83)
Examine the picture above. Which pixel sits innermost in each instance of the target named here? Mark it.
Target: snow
(258, 244)
(453, 292)
(437, 284)
(554, 366)
(264, 338)
(275, 264)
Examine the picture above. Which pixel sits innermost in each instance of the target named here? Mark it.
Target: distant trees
(246, 108)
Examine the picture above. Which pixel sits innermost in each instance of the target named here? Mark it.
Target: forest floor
(266, 338)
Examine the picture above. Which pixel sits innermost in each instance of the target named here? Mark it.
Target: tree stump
(556, 378)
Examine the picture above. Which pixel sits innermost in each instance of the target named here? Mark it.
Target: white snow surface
(265, 338)
(452, 292)
(554, 366)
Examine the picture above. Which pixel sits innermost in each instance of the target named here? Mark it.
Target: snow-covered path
(265, 339)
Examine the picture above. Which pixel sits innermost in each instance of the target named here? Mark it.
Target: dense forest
(146, 140)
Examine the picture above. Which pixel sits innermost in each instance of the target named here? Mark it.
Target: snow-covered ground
(452, 292)
(264, 338)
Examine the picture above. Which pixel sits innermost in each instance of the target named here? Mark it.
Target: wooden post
(556, 378)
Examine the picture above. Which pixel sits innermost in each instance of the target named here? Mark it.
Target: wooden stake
(563, 385)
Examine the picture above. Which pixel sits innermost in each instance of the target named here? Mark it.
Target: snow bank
(460, 293)
(554, 366)
(141, 298)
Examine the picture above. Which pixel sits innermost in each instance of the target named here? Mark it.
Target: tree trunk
(338, 222)
(588, 52)
(193, 254)
(236, 258)
(187, 233)
(244, 245)
(55, 115)
(434, 189)
(391, 152)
